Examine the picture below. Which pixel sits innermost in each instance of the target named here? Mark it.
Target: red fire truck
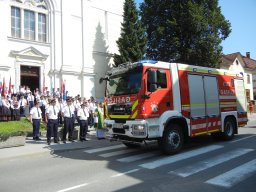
(171, 102)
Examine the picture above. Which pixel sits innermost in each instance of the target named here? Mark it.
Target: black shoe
(34, 138)
(38, 139)
(48, 142)
(64, 141)
(56, 141)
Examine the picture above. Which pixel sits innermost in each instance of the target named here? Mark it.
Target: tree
(186, 31)
(132, 42)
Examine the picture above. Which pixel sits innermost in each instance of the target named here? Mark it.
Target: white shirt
(83, 114)
(23, 102)
(34, 112)
(68, 111)
(50, 112)
(30, 98)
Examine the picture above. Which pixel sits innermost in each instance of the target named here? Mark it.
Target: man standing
(35, 119)
(68, 113)
(83, 114)
(51, 118)
(23, 104)
(30, 99)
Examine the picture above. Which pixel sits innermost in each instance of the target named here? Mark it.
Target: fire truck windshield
(124, 83)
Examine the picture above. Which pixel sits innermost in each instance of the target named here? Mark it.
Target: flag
(63, 90)
(3, 88)
(0, 86)
(10, 86)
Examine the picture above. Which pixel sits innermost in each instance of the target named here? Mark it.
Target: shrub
(14, 128)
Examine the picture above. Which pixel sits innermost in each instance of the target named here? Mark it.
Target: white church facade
(46, 42)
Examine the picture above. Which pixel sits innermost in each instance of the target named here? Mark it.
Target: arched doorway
(30, 76)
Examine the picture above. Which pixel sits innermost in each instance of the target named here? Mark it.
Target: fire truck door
(204, 103)
(212, 104)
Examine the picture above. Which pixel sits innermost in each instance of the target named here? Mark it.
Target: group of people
(55, 111)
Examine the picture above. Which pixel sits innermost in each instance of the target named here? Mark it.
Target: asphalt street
(204, 165)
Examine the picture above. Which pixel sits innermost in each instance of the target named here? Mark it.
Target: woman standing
(6, 109)
(15, 106)
(99, 112)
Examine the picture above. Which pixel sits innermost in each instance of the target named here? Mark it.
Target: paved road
(95, 166)
(204, 165)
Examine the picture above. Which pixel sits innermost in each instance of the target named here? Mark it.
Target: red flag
(10, 86)
(63, 88)
(3, 88)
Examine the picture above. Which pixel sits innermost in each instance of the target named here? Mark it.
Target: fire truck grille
(117, 130)
(118, 109)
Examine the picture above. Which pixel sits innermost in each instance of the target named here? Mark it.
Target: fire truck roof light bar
(148, 61)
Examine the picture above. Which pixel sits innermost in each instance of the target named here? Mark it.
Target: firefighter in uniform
(83, 115)
(68, 114)
(51, 119)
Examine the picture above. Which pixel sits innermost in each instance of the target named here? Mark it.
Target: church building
(47, 43)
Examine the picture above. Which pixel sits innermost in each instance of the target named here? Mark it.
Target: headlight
(138, 127)
(139, 130)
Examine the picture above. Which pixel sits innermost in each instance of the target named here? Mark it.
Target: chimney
(248, 55)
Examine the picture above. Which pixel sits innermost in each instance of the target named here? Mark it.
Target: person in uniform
(35, 119)
(23, 104)
(83, 115)
(15, 106)
(51, 118)
(68, 113)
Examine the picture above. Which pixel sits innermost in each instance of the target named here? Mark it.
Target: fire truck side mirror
(152, 80)
(153, 87)
(152, 76)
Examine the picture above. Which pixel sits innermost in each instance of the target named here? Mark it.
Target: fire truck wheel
(172, 140)
(131, 145)
(229, 128)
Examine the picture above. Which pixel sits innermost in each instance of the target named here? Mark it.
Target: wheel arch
(234, 119)
(181, 121)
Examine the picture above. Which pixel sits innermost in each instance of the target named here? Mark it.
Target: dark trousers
(43, 112)
(31, 105)
(52, 129)
(36, 127)
(91, 119)
(60, 118)
(68, 128)
(83, 129)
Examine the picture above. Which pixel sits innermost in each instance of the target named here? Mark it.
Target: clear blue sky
(242, 15)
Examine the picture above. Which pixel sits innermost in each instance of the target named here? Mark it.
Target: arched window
(29, 20)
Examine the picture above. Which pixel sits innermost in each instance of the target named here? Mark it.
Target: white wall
(82, 38)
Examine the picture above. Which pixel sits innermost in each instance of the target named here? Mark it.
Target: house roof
(230, 58)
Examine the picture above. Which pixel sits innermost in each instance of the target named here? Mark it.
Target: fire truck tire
(172, 140)
(229, 129)
(131, 145)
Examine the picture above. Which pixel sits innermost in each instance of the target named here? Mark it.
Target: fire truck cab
(171, 102)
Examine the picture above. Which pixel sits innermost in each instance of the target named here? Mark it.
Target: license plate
(118, 125)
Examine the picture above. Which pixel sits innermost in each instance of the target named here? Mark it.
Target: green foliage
(132, 42)
(188, 31)
(14, 128)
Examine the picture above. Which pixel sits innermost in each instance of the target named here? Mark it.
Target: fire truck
(172, 102)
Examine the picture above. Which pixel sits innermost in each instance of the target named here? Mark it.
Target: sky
(242, 16)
